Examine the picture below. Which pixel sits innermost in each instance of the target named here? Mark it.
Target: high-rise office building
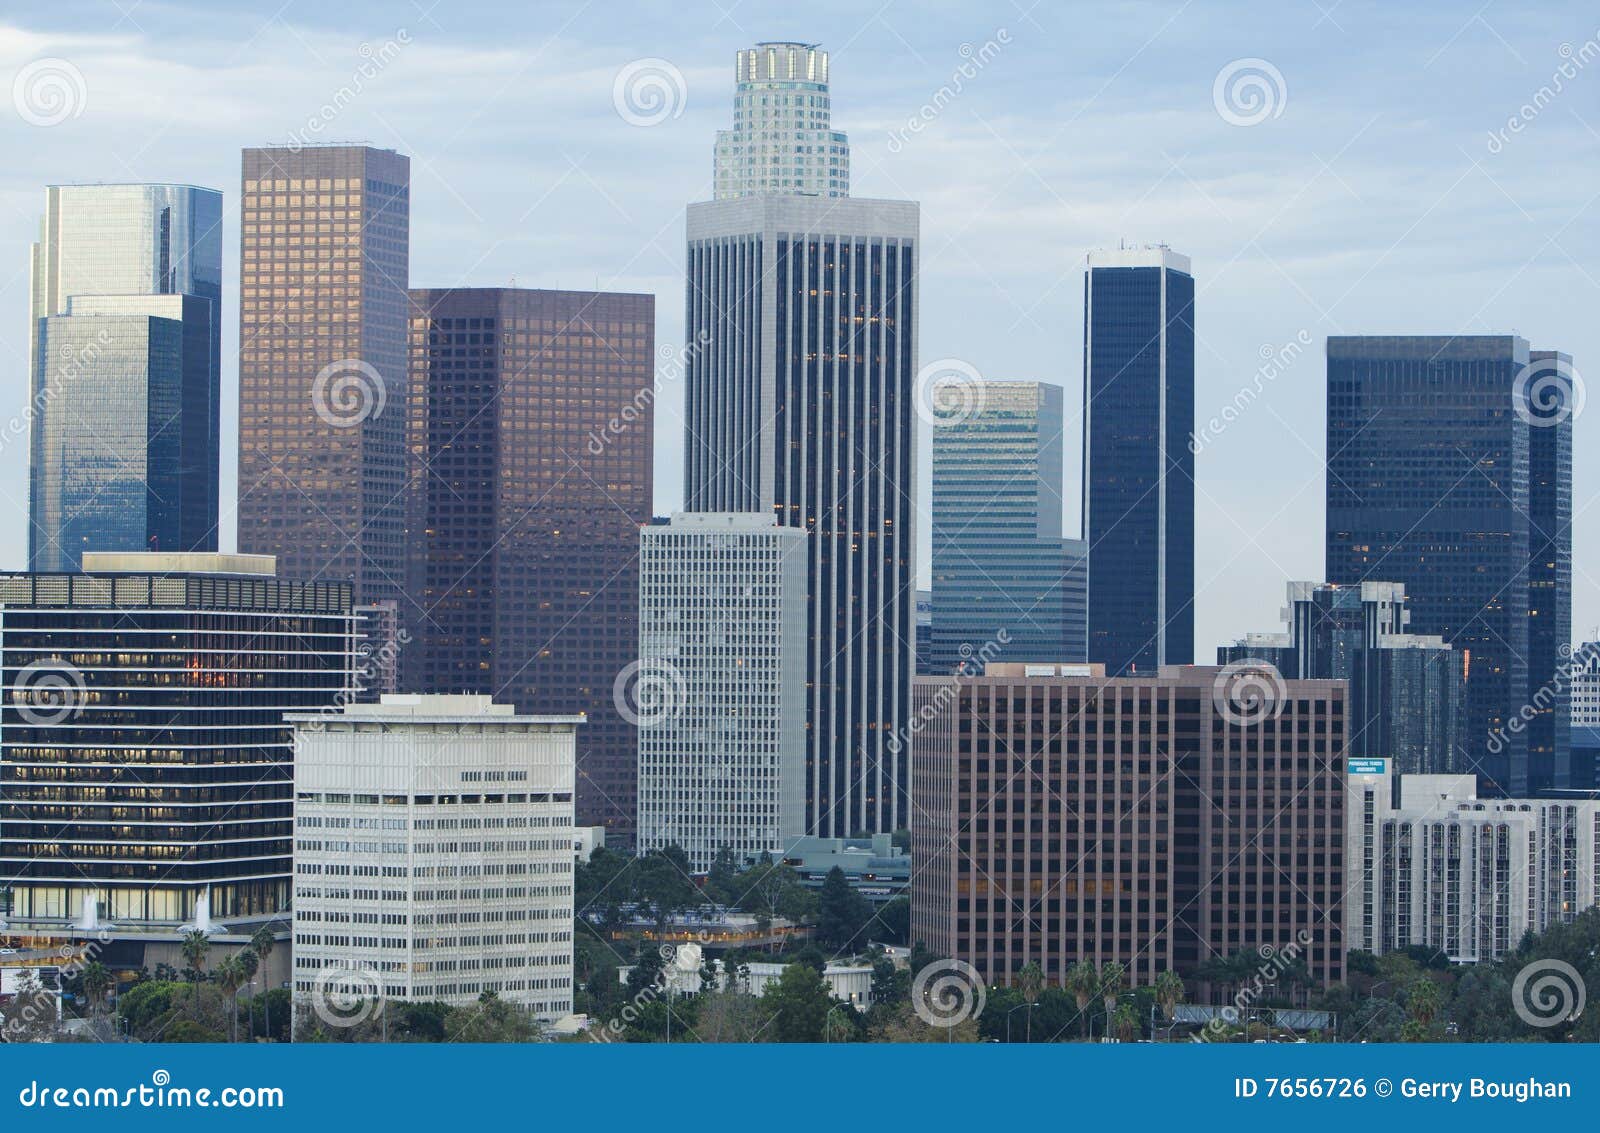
(1407, 690)
(923, 616)
(720, 687)
(433, 857)
(1440, 868)
(1431, 484)
(531, 441)
(1159, 821)
(800, 405)
(782, 139)
(324, 256)
(125, 358)
(1138, 469)
(1545, 386)
(1002, 573)
(147, 772)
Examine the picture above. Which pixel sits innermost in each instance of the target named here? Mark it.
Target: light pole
(1013, 1011)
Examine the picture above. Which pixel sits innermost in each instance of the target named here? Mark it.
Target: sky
(1330, 168)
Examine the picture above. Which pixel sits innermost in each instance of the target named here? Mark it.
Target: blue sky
(1370, 198)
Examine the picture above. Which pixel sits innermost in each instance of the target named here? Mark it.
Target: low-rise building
(873, 865)
(433, 853)
(1444, 869)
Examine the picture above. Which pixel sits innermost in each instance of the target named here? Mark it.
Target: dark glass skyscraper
(1406, 690)
(324, 256)
(1003, 576)
(1432, 483)
(126, 363)
(1138, 469)
(531, 432)
(803, 358)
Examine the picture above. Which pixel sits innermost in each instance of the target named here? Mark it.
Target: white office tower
(721, 686)
(782, 139)
(1467, 876)
(433, 853)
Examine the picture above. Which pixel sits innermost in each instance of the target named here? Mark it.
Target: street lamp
(1013, 1011)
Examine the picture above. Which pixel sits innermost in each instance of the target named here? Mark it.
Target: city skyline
(1260, 240)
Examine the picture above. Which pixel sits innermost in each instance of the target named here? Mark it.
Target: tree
(1169, 992)
(194, 947)
(96, 982)
(731, 1017)
(1423, 1000)
(1084, 984)
(31, 1014)
(1124, 1022)
(262, 943)
(230, 977)
(892, 922)
(797, 1002)
(1111, 986)
(1030, 982)
(842, 913)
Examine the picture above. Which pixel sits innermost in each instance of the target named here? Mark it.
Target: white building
(722, 646)
(433, 853)
(1585, 668)
(1464, 875)
(848, 983)
(782, 139)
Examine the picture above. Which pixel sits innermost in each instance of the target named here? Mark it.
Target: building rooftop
(432, 707)
(178, 562)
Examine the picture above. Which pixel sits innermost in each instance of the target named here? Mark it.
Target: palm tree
(1030, 981)
(248, 966)
(1083, 981)
(261, 943)
(195, 946)
(1125, 1022)
(1422, 1001)
(230, 975)
(1169, 992)
(1110, 986)
(96, 981)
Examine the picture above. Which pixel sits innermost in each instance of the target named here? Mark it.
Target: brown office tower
(322, 364)
(531, 432)
(1161, 822)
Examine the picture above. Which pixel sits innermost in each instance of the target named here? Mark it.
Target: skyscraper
(1138, 470)
(802, 315)
(782, 139)
(721, 686)
(1547, 402)
(531, 437)
(324, 254)
(800, 405)
(1431, 484)
(147, 766)
(1001, 570)
(125, 350)
(1406, 689)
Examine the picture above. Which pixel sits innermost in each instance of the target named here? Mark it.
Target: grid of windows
(782, 139)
